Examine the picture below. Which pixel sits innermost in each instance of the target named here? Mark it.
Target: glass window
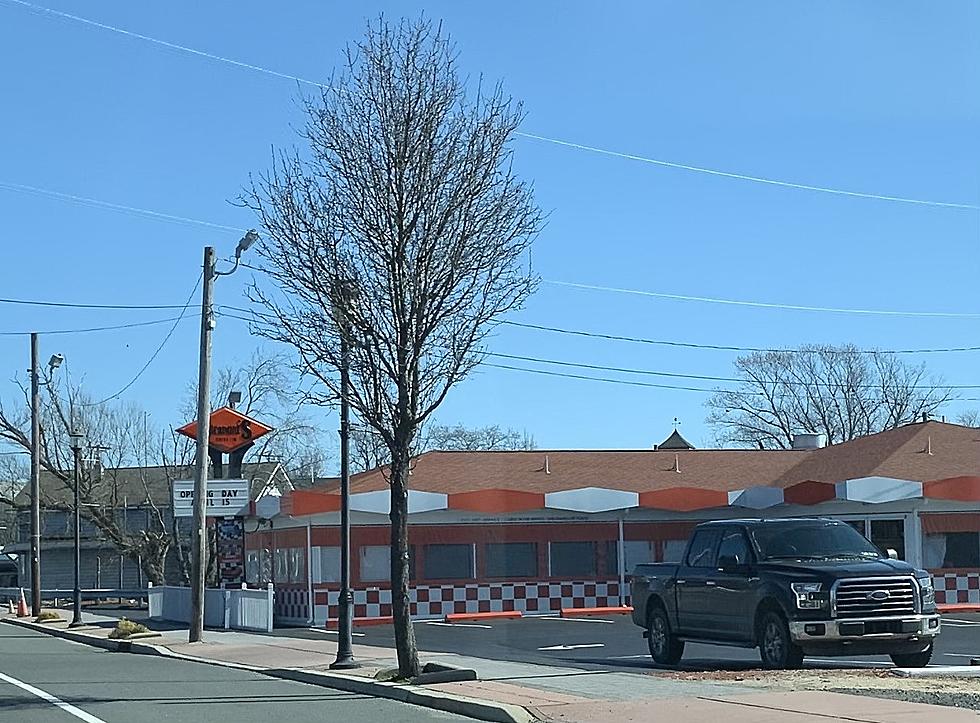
(572, 559)
(889, 534)
(674, 550)
(448, 562)
(511, 559)
(857, 525)
(702, 552)
(636, 552)
(962, 549)
(328, 569)
(282, 565)
(375, 563)
(734, 545)
(297, 573)
(253, 570)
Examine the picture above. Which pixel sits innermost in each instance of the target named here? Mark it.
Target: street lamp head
(246, 242)
(55, 361)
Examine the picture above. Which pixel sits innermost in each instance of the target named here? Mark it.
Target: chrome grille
(872, 597)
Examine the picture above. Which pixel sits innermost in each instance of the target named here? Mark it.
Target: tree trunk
(408, 655)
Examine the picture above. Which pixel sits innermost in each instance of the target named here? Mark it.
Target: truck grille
(871, 597)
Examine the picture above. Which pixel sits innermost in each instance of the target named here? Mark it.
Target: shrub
(124, 628)
(47, 615)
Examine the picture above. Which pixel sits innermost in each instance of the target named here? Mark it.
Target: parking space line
(573, 647)
(947, 621)
(458, 625)
(570, 620)
(334, 632)
(627, 657)
(44, 695)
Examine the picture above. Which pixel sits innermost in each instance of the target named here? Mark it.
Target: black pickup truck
(791, 587)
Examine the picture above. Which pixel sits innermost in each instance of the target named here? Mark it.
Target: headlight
(808, 595)
(926, 590)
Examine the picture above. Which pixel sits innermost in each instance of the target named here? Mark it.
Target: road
(615, 643)
(44, 679)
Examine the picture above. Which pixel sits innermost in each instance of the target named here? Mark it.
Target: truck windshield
(813, 540)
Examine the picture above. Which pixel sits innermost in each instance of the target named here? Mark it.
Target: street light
(76, 448)
(200, 548)
(345, 623)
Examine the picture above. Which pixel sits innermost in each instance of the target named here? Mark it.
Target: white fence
(231, 609)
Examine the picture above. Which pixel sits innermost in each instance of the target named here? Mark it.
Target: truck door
(695, 579)
(732, 598)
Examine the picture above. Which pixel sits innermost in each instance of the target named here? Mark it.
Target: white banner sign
(226, 498)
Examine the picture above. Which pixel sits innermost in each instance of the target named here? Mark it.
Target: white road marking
(573, 647)
(628, 657)
(459, 625)
(334, 632)
(958, 620)
(961, 655)
(571, 620)
(67, 707)
(861, 663)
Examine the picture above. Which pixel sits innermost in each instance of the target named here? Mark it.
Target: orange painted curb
(959, 608)
(588, 612)
(456, 617)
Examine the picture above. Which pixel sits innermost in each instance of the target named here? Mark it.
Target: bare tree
(842, 392)
(969, 418)
(476, 439)
(406, 229)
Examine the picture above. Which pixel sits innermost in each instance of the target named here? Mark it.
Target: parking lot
(614, 642)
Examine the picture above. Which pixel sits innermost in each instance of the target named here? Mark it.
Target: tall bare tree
(969, 418)
(405, 228)
(841, 391)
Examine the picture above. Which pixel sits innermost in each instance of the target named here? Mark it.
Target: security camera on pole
(200, 547)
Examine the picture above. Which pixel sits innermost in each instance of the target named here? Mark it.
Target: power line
(533, 136)
(164, 43)
(73, 305)
(719, 347)
(96, 203)
(156, 352)
(744, 177)
(765, 305)
(114, 327)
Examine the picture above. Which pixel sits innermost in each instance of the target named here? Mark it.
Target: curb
(470, 707)
(457, 617)
(959, 608)
(588, 612)
(363, 622)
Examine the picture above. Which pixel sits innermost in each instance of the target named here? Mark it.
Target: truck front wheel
(912, 660)
(776, 647)
(665, 648)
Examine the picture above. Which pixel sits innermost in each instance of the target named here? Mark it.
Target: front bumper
(904, 628)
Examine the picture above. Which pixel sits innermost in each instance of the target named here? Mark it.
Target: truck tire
(912, 660)
(665, 648)
(776, 647)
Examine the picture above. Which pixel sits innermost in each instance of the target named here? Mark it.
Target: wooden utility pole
(35, 480)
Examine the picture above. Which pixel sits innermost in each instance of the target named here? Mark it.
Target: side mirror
(892, 554)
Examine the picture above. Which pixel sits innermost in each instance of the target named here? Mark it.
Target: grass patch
(124, 628)
(47, 615)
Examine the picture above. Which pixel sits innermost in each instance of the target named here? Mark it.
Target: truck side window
(734, 544)
(702, 552)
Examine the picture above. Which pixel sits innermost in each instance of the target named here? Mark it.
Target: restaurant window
(572, 559)
(956, 549)
(375, 563)
(448, 562)
(511, 559)
(326, 567)
(636, 552)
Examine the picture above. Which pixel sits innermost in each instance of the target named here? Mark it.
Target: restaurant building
(544, 530)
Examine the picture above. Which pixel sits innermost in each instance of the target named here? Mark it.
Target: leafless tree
(405, 226)
(477, 439)
(969, 418)
(842, 392)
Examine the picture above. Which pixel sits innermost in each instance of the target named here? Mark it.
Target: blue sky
(876, 97)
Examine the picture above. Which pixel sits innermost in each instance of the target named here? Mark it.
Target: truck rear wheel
(913, 660)
(665, 648)
(776, 647)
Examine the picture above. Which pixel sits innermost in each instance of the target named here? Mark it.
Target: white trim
(591, 499)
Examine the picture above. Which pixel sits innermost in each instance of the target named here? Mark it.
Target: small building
(137, 497)
(538, 531)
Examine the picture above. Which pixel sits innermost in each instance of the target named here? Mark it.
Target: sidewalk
(520, 692)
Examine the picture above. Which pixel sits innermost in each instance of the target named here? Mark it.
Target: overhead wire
(113, 327)
(531, 136)
(156, 352)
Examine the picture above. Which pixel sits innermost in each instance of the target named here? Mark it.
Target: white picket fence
(231, 608)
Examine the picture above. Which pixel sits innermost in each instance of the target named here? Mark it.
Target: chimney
(809, 440)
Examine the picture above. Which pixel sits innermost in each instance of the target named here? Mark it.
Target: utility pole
(76, 617)
(345, 622)
(200, 546)
(199, 561)
(35, 480)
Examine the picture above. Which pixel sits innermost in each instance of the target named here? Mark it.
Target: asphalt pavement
(44, 679)
(615, 643)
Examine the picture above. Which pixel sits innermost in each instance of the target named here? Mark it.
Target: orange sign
(230, 430)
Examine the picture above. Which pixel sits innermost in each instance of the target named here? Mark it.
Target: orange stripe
(963, 489)
(683, 499)
(456, 617)
(589, 612)
(496, 500)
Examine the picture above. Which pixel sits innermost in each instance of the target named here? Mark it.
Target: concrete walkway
(551, 693)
